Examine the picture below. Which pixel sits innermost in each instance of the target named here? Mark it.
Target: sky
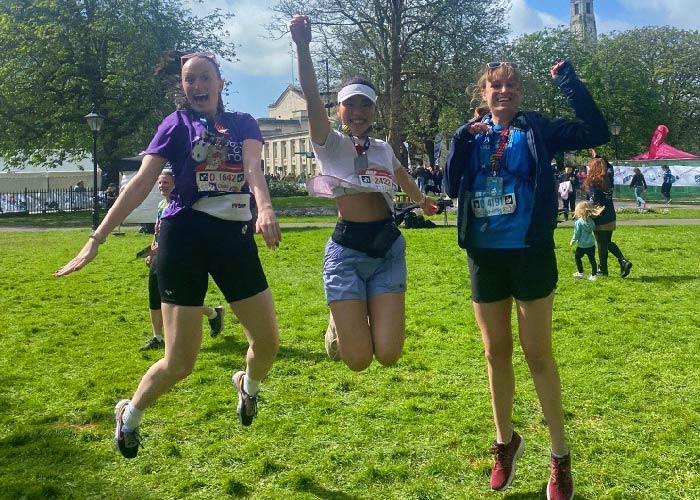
(264, 65)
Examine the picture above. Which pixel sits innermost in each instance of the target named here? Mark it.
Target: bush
(281, 189)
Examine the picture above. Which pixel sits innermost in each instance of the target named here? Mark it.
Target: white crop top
(338, 169)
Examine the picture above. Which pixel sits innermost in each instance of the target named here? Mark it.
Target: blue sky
(264, 66)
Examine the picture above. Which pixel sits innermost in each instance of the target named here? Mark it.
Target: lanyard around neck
(498, 155)
(360, 148)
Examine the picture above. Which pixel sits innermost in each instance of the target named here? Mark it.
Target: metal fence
(52, 200)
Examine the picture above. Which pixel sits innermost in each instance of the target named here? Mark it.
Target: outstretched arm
(131, 197)
(300, 28)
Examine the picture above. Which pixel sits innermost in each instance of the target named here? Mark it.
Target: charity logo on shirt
(219, 162)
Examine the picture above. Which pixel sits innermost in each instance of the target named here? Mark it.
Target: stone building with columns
(287, 149)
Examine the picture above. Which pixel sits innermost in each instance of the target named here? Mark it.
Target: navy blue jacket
(545, 137)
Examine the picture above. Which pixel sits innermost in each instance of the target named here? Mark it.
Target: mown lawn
(628, 353)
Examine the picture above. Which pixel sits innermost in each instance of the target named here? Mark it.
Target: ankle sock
(213, 314)
(131, 418)
(250, 386)
(159, 337)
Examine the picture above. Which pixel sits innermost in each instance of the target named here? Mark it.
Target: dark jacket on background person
(545, 137)
(601, 198)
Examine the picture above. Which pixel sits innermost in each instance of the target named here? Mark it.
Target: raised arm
(300, 28)
(131, 197)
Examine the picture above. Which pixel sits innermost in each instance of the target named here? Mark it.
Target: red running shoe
(506, 455)
(561, 484)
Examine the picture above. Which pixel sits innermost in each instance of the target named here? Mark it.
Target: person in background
(111, 195)
(666, 183)
(206, 230)
(215, 315)
(639, 184)
(583, 237)
(499, 165)
(601, 195)
(80, 187)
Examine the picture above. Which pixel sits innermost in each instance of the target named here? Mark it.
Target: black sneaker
(153, 343)
(625, 268)
(217, 324)
(127, 442)
(247, 404)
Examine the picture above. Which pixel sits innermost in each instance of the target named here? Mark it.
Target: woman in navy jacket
(499, 167)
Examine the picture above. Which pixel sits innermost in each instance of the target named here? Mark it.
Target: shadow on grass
(312, 487)
(227, 344)
(661, 279)
(50, 461)
(535, 495)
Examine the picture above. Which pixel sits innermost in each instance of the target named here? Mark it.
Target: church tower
(582, 22)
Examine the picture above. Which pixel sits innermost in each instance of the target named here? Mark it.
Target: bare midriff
(363, 207)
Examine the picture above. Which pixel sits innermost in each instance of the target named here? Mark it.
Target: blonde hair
(506, 71)
(585, 210)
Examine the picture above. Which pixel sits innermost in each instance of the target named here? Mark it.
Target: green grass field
(628, 353)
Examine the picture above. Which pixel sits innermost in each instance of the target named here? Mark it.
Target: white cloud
(524, 19)
(257, 53)
(679, 13)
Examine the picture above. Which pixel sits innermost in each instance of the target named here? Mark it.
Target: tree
(406, 47)
(64, 56)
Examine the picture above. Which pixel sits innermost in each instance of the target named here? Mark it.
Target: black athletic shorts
(194, 244)
(153, 292)
(522, 273)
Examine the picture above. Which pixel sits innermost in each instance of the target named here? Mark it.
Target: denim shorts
(351, 274)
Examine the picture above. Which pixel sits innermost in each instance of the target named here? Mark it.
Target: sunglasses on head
(496, 64)
(207, 55)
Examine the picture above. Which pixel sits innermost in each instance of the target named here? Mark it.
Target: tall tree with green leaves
(61, 57)
(410, 49)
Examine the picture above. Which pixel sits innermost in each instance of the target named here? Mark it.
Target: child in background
(583, 235)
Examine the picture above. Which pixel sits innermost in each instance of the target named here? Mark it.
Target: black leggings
(605, 243)
(666, 190)
(588, 252)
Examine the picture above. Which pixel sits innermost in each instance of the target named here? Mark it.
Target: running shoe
(561, 484)
(217, 324)
(152, 344)
(506, 455)
(247, 405)
(127, 441)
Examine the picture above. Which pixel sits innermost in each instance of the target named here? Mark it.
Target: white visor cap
(357, 89)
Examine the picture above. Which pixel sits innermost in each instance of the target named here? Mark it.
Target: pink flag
(657, 140)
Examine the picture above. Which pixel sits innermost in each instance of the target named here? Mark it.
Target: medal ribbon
(360, 149)
(498, 155)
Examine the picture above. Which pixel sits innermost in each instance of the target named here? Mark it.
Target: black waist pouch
(373, 238)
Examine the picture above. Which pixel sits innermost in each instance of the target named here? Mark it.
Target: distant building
(287, 150)
(582, 21)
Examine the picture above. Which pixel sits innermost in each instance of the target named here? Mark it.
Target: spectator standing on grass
(583, 237)
(364, 268)
(111, 195)
(601, 195)
(215, 315)
(206, 229)
(80, 187)
(500, 166)
(639, 184)
(666, 182)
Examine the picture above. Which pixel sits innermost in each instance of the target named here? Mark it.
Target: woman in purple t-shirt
(206, 230)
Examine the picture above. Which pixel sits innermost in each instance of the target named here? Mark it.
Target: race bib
(219, 164)
(228, 207)
(488, 206)
(378, 180)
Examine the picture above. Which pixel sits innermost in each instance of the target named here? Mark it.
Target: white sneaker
(578, 275)
(331, 340)
(592, 277)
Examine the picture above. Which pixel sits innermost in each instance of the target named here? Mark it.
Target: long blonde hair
(585, 210)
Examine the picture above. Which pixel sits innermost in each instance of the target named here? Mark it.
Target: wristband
(93, 236)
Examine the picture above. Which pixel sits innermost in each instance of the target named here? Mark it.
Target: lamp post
(615, 128)
(94, 121)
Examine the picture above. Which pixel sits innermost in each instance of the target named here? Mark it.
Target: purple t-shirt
(198, 150)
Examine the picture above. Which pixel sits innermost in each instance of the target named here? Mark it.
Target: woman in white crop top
(364, 266)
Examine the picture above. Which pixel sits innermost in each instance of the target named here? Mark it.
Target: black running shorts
(525, 274)
(153, 292)
(194, 244)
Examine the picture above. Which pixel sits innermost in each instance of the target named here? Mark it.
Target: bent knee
(539, 363)
(179, 371)
(357, 363)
